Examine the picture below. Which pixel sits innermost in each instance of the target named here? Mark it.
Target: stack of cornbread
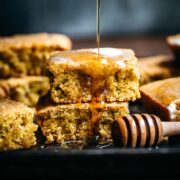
(22, 65)
(88, 92)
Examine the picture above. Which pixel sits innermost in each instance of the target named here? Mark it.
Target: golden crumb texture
(17, 129)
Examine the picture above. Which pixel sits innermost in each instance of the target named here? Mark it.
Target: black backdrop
(77, 17)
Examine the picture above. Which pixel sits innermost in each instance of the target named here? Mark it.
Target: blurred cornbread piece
(65, 122)
(174, 43)
(156, 68)
(82, 75)
(163, 98)
(17, 129)
(22, 55)
(26, 89)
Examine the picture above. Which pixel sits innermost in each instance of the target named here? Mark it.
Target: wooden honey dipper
(142, 130)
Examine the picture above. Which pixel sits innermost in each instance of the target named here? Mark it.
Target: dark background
(77, 18)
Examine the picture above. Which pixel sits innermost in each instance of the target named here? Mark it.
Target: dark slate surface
(94, 161)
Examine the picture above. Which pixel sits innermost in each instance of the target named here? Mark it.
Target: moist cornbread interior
(163, 98)
(61, 122)
(74, 74)
(26, 89)
(106, 116)
(27, 54)
(17, 129)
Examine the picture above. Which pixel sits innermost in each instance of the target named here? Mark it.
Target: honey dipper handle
(171, 128)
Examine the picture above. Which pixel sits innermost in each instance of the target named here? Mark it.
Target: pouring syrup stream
(98, 2)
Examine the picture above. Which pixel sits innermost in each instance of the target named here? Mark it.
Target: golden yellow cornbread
(17, 130)
(80, 76)
(25, 89)
(22, 55)
(65, 122)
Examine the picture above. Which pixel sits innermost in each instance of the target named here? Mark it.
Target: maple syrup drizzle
(98, 2)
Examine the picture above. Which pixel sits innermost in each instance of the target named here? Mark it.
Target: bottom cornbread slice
(60, 123)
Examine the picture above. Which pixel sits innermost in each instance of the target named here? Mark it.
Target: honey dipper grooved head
(137, 130)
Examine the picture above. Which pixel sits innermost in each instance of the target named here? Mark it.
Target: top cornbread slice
(22, 55)
(163, 98)
(82, 75)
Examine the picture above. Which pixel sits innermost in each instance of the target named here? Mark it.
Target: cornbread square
(174, 43)
(163, 98)
(65, 122)
(26, 89)
(22, 55)
(156, 68)
(17, 129)
(82, 76)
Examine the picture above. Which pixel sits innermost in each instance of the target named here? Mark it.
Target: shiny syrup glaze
(99, 67)
(110, 60)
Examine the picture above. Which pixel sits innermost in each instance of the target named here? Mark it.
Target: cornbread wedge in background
(22, 55)
(17, 130)
(65, 122)
(156, 68)
(80, 76)
(174, 43)
(26, 89)
(163, 98)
